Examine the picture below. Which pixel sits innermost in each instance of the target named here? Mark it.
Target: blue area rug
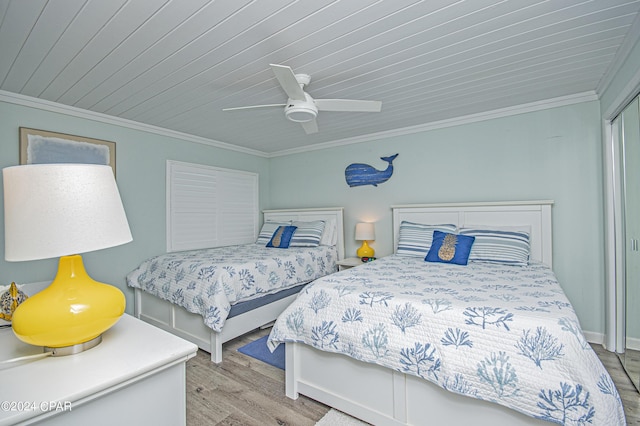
(258, 349)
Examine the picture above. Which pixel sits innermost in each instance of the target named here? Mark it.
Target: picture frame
(43, 146)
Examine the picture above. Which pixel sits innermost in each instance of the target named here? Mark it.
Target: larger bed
(210, 296)
(402, 341)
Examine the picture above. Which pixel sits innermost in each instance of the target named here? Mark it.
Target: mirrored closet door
(626, 128)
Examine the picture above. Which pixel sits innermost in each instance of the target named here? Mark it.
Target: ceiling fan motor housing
(301, 111)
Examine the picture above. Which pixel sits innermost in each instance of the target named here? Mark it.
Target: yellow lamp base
(365, 250)
(72, 312)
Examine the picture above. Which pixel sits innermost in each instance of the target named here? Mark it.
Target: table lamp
(63, 210)
(365, 231)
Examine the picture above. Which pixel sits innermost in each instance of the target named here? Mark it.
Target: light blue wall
(141, 160)
(551, 154)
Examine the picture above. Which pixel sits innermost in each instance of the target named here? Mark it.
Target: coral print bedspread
(505, 334)
(209, 281)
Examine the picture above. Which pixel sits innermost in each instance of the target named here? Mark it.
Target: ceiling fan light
(301, 115)
(301, 111)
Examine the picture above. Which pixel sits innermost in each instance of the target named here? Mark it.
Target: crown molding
(458, 121)
(43, 104)
(622, 54)
(29, 101)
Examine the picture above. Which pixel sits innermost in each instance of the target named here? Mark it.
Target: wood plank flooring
(628, 393)
(243, 391)
(631, 360)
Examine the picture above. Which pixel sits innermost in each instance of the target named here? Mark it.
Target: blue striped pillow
(415, 239)
(499, 245)
(268, 228)
(308, 234)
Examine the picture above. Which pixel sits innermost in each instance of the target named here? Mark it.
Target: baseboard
(598, 339)
(633, 343)
(592, 337)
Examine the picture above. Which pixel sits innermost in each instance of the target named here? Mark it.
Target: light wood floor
(631, 359)
(243, 391)
(628, 393)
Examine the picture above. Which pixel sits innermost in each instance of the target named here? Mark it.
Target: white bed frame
(191, 327)
(385, 397)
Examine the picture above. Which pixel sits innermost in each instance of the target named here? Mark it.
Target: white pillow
(330, 233)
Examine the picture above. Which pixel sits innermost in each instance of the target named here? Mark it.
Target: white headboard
(536, 214)
(330, 213)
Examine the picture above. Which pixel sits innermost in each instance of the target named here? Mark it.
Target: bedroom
(546, 150)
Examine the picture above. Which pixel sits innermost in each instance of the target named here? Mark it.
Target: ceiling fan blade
(348, 105)
(288, 81)
(310, 126)
(253, 107)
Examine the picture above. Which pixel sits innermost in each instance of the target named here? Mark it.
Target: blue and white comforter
(209, 281)
(505, 334)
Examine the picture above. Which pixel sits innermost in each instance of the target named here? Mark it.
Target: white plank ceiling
(176, 64)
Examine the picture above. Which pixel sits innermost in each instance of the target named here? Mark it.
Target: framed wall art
(41, 146)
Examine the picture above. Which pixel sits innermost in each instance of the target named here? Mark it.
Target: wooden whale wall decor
(358, 174)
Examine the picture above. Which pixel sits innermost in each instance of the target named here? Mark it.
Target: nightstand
(135, 376)
(349, 262)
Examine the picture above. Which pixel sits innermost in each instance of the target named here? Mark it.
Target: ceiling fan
(302, 108)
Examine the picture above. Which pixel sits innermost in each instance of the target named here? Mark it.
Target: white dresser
(136, 376)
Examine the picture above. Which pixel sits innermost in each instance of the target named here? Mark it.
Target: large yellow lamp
(62, 210)
(365, 231)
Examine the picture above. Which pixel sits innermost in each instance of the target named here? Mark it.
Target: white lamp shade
(365, 231)
(53, 210)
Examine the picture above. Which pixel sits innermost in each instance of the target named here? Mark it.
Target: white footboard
(385, 397)
(191, 327)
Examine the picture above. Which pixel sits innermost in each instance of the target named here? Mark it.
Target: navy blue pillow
(450, 248)
(282, 237)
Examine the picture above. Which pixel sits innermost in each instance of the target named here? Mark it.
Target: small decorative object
(61, 210)
(364, 232)
(359, 174)
(448, 248)
(9, 301)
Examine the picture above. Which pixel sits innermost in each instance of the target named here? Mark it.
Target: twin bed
(211, 296)
(402, 341)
